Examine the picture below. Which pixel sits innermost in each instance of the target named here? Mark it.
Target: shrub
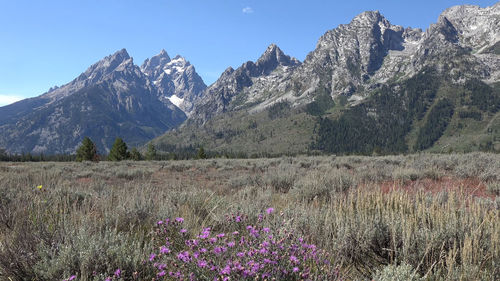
(240, 250)
(403, 272)
(494, 188)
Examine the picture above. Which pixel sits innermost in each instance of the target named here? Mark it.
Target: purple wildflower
(270, 210)
(202, 263)
(217, 250)
(161, 273)
(164, 250)
(226, 270)
(152, 257)
(118, 272)
(179, 220)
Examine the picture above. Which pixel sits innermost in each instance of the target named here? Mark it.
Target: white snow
(176, 100)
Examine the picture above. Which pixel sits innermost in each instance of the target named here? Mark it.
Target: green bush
(403, 272)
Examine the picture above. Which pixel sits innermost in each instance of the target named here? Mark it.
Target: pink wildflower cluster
(237, 250)
(242, 252)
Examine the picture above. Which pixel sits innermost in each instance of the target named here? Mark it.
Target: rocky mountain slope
(271, 67)
(370, 85)
(176, 79)
(112, 98)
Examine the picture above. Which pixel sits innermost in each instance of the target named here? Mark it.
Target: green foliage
(383, 121)
(3, 155)
(151, 152)
(321, 104)
(135, 154)
(403, 272)
(482, 95)
(420, 92)
(476, 115)
(378, 124)
(435, 125)
(279, 110)
(201, 153)
(87, 151)
(118, 151)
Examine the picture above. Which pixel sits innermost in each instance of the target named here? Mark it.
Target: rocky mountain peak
(175, 79)
(368, 17)
(476, 27)
(272, 58)
(105, 66)
(154, 63)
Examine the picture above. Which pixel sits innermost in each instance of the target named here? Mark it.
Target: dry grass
(437, 215)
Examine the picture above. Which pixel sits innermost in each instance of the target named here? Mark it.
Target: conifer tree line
(119, 151)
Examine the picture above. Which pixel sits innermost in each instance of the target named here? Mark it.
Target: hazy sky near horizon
(50, 42)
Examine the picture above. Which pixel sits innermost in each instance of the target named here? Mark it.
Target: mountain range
(368, 87)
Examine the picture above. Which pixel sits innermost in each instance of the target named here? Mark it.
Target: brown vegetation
(434, 215)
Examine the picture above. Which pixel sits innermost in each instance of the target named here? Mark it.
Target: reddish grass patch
(470, 187)
(84, 180)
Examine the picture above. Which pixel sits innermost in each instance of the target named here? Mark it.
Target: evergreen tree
(201, 153)
(87, 151)
(3, 155)
(135, 154)
(151, 153)
(118, 151)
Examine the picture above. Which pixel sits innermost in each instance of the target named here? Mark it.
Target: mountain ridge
(369, 75)
(353, 68)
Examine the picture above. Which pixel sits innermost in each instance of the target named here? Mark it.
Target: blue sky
(50, 42)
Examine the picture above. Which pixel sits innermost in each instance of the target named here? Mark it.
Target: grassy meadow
(416, 217)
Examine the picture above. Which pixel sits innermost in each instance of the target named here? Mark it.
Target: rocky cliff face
(366, 76)
(356, 58)
(112, 98)
(219, 97)
(176, 80)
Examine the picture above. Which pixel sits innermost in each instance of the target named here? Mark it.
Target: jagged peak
(113, 60)
(179, 57)
(179, 60)
(272, 51)
(465, 10)
(158, 61)
(106, 65)
(368, 17)
(228, 71)
(123, 52)
(119, 56)
(274, 57)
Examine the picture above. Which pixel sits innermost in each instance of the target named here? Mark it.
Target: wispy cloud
(247, 10)
(8, 99)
